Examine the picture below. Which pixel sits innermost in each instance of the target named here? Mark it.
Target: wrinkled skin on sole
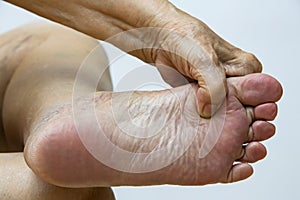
(58, 153)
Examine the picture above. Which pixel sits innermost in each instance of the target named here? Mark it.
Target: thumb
(212, 91)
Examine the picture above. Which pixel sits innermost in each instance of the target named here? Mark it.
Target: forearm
(100, 19)
(104, 19)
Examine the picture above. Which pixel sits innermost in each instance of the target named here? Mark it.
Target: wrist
(165, 13)
(145, 13)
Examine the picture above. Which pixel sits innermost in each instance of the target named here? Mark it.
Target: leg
(51, 67)
(55, 151)
(12, 51)
(15, 47)
(18, 182)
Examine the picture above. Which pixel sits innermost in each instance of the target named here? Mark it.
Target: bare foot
(57, 152)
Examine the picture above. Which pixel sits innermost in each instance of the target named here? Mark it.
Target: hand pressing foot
(76, 154)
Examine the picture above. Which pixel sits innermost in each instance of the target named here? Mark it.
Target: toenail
(250, 134)
(274, 112)
(243, 152)
(250, 114)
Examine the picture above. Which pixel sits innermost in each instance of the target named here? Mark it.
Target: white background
(271, 30)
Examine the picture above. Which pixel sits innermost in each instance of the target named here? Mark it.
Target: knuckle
(252, 61)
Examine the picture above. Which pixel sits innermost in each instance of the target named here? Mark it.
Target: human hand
(194, 50)
(187, 44)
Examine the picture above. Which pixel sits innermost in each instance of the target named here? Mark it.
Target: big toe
(255, 89)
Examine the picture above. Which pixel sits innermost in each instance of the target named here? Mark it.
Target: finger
(243, 63)
(172, 76)
(212, 91)
(236, 61)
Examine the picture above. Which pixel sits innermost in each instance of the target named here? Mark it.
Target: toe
(267, 111)
(239, 172)
(256, 89)
(250, 114)
(253, 152)
(262, 130)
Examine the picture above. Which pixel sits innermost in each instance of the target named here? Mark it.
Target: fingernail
(205, 112)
